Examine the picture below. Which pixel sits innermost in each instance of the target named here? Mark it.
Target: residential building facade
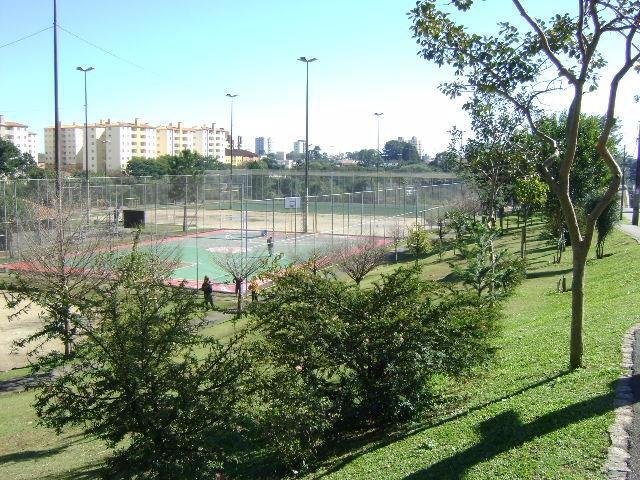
(263, 146)
(20, 136)
(112, 144)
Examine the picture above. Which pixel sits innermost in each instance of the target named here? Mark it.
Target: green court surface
(196, 252)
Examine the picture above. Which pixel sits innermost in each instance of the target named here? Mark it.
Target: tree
(338, 358)
(523, 67)
(605, 224)
(147, 167)
(397, 151)
(369, 157)
(490, 272)
(357, 260)
(418, 241)
(242, 268)
(13, 163)
(531, 192)
(63, 259)
(144, 380)
(396, 234)
(494, 156)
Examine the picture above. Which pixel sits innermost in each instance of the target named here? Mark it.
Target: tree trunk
(577, 305)
(239, 310)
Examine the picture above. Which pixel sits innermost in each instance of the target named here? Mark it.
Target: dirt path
(12, 330)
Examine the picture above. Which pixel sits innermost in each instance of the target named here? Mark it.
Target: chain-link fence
(339, 203)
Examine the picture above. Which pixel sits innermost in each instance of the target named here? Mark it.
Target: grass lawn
(523, 417)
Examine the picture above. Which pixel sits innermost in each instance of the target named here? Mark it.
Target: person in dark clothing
(238, 283)
(270, 245)
(207, 289)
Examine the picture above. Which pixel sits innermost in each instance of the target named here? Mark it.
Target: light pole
(306, 150)
(378, 115)
(86, 134)
(86, 123)
(231, 96)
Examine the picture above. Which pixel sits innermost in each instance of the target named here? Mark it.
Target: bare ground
(12, 330)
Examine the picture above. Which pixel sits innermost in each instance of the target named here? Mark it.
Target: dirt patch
(12, 330)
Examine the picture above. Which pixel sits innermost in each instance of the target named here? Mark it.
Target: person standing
(270, 245)
(207, 289)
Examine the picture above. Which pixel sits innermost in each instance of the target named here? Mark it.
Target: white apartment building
(71, 143)
(19, 135)
(298, 146)
(112, 144)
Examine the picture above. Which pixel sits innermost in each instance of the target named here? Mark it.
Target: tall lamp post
(231, 96)
(305, 208)
(378, 115)
(86, 134)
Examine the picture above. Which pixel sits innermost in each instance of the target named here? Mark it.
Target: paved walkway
(634, 431)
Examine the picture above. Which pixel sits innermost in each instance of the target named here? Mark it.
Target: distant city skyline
(148, 65)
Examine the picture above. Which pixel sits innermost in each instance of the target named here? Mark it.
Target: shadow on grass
(506, 431)
(29, 455)
(91, 471)
(548, 273)
(389, 438)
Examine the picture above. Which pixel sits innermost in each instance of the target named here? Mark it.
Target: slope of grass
(526, 416)
(523, 417)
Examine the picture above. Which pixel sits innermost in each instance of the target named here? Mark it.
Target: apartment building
(298, 146)
(20, 136)
(263, 146)
(112, 144)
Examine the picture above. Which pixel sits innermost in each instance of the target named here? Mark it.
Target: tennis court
(197, 252)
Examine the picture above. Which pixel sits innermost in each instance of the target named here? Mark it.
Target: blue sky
(193, 52)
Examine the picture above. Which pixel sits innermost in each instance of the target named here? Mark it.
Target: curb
(617, 465)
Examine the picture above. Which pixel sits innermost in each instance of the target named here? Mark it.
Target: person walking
(207, 289)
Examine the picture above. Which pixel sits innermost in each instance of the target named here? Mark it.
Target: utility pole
(56, 128)
(636, 187)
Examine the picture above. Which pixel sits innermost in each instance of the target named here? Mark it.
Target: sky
(167, 61)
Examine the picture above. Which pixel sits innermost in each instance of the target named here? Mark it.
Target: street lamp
(306, 149)
(232, 96)
(86, 135)
(86, 124)
(378, 115)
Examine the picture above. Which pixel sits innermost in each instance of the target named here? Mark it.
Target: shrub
(138, 382)
(339, 358)
(418, 241)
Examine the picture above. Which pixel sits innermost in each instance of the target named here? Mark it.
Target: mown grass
(523, 417)
(526, 416)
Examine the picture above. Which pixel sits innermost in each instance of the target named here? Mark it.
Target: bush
(418, 241)
(338, 358)
(138, 380)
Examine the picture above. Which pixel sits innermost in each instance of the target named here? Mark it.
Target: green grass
(523, 417)
(526, 416)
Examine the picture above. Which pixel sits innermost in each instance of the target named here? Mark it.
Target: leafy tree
(144, 381)
(256, 165)
(418, 241)
(13, 163)
(357, 260)
(490, 272)
(339, 358)
(605, 224)
(190, 163)
(494, 156)
(400, 152)
(531, 193)
(523, 67)
(368, 157)
(147, 167)
(446, 161)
